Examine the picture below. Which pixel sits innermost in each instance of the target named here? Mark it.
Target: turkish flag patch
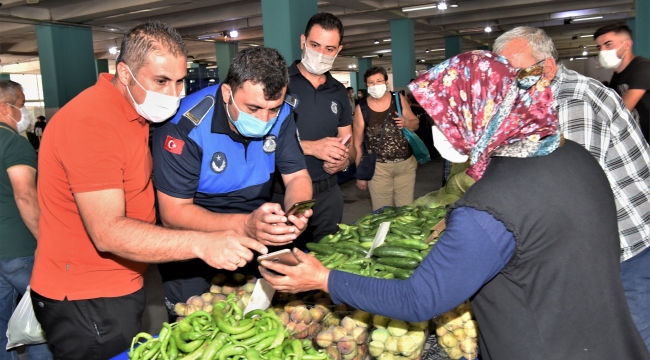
(174, 146)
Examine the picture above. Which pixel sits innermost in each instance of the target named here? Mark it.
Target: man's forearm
(308, 147)
(298, 189)
(139, 241)
(29, 212)
(195, 217)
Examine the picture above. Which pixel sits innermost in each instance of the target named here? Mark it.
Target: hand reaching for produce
(329, 149)
(268, 225)
(362, 185)
(310, 274)
(228, 250)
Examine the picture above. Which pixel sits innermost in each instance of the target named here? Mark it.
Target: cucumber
(321, 248)
(402, 274)
(366, 245)
(346, 251)
(394, 251)
(350, 245)
(398, 262)
(410, 244)
(367, 238)
(410, 230)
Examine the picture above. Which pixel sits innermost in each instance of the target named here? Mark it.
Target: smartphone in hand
(299, 208)
(284, 257)
(346, 140)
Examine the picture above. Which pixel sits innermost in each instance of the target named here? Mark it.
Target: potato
(449, 340)
(180, 309)
(459, 334)
(471, 328)
(468, 345)
(207, 297)
(406, 345)
(454, 353)
(195, 300)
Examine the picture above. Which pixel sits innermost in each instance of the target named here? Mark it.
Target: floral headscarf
(486, 108)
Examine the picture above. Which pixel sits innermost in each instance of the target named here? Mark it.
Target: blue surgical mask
(248, 125)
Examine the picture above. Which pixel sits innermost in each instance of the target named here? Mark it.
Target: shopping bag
(23, 328)
(420, 150)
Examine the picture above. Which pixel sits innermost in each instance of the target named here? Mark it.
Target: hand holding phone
(284, 257)
(299, 208)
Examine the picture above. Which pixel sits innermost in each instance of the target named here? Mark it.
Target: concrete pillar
(642, 27)
(67, 63)
(283, 22)
(364, 64)
(5, 77)
(402, 33)
(101, 66)
(353, 81)
(453, 46)
(226, 51)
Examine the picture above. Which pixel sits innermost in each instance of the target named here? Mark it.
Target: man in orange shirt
(97, 218)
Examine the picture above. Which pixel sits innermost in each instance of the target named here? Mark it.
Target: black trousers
(89, 329)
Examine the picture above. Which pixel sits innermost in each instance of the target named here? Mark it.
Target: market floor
(357, 204)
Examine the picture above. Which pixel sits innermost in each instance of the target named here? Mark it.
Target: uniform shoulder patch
(270, 143)
(197, 113)
(335, 107)
(173, 145)
(219, 162)
(292, 100)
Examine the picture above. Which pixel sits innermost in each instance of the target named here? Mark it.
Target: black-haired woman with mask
(377, 128)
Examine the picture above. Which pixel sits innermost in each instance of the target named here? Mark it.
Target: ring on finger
(238, 261)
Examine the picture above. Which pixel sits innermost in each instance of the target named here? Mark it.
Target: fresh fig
(348, 323)
(316, 314)
(324, 339)
(218, 279)
(359, 334)
(300, 314)
(346, 345)
(291, 305)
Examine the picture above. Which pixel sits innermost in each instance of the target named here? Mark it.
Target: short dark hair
(144, 38)
(9, 91)
(349, 88)
(373, 71)
(259, 65)
(328, 22)
(619, 27)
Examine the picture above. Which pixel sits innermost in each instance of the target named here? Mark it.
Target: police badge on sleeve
(270, 142)
(218, 163)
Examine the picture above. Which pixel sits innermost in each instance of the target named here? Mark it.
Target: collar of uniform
(105, 85)
(8, 127)
(220, 121)
(329, 79)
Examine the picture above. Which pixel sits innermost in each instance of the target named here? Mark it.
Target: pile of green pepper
(403, 250)
(226, 334)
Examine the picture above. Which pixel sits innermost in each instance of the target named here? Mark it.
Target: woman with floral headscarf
(539, 261)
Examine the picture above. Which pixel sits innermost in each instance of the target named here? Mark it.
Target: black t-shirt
(319, 114)
(636, 76)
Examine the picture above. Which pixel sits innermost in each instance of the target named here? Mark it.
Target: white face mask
(608, 58)
(315, 62)
(24, 121)
(444, 147)
(377, 91)
(156, 107)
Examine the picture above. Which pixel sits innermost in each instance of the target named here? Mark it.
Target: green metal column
(429, 66)
(642, 28)
(226, 51)
(364, 64)
(5, 77)
(402, 33)
(283, 22)
(101, 66)
(353, 81)
(67, 63)
(482, 47)
(453, 46)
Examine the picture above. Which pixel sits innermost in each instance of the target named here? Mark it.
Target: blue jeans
(635, 273)
(14, 278)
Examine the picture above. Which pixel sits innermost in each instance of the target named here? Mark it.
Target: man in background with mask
(96, 228)
(18, 211)
(324, 118)
(631, 78)
(596, 118)
(214, 164)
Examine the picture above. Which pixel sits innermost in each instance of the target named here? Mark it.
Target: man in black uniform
(631, 78)
(323, 118)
